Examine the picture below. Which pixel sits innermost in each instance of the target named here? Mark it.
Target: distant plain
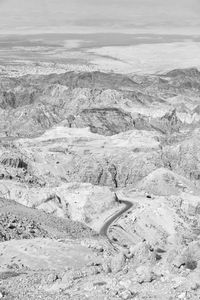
(125, 53)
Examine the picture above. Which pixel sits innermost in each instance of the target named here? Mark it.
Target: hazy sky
(100, 15)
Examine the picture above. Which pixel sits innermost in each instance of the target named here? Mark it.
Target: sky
(178, 16)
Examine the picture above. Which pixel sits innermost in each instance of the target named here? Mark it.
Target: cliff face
(105, 121)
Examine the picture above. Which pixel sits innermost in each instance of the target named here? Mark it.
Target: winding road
(104, 230)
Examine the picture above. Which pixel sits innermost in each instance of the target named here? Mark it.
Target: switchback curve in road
(105, 228)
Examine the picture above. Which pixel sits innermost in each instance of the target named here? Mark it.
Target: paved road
(109, 222)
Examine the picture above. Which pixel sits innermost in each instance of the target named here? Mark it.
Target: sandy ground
(41, 254)
(124, 53)
(148, 58)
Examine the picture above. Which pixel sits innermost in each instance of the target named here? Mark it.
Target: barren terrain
(99, 184)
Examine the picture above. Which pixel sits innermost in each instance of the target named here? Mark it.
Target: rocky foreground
(74, 149)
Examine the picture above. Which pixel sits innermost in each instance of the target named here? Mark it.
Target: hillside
(76, 150)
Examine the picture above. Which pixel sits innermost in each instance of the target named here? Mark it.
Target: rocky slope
(73, 146)
(98, 100)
